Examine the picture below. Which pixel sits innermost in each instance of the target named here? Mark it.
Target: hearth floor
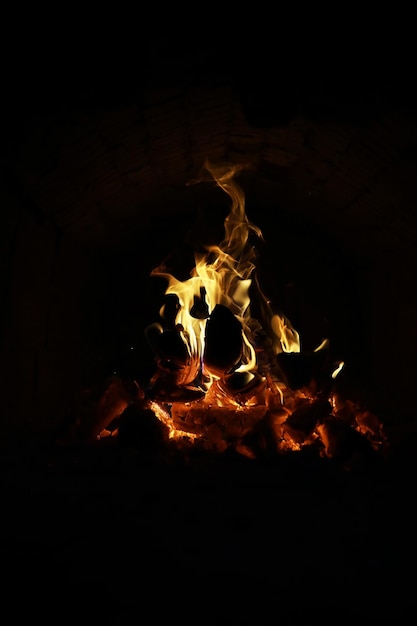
(108, 529)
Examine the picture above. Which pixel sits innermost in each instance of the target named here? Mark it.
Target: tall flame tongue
(209, 349)
(212, 318)
(221, 372)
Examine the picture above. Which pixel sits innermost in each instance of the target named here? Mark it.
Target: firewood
(244, 387)
(200, 309)
(341, 441)
(139, 428)
(223, 341)
(167, 386)
(263, 439)
(168, 345)
(100, 405)
(303, 421)
(305, 370)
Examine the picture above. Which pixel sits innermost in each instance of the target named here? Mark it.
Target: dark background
(100, 136)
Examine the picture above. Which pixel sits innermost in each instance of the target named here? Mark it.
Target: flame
(226, 378)
(223, 276)
(224, 399)
(338, 369)
(287, 338)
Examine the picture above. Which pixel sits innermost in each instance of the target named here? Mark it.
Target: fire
(221, 278)
(220, 282)
(226, 377)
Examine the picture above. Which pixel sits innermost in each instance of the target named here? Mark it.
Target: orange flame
(223, 275)
(226, 401)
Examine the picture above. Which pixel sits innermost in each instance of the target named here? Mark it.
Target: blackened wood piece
(301, 368)
(101, 405)
(200, 309)
(241, 381)
(168, 345)
(302, 422)
(170, 309)
(139, 428)
(243, 386)
(342, 442)
(262, 439)
(166, 386)
(223, 341)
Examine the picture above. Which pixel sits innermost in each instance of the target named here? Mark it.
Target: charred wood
(167, 386)
(244, 387)
(139, 428)
(170, 310)
(301, 424)
(98, 406)
(200, 309)
(175, 365)
(262, 441)
(223, 341)
(342, 442)
(303, 370)
(168, 345)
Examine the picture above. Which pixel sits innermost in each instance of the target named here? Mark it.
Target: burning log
(223, 341)
(176, 367)
(200, 308)
(171, 346)
(98, 406)
(264, 438)
(168, 345)
(230, 380)
(302, 422)
(363, 420)
(172, 354)
(305, 370)
(138, 428)
(246, 388)
(165, 386)
(342, 442)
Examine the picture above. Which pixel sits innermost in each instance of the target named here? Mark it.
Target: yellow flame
(338, 369)
(224, 273)
(324, 344)
(287, 338)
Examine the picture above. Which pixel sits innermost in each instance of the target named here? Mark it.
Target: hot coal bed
(230, 372)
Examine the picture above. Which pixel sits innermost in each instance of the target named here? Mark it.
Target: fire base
(216, 427)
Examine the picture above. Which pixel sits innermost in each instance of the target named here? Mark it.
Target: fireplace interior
(104, 179)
